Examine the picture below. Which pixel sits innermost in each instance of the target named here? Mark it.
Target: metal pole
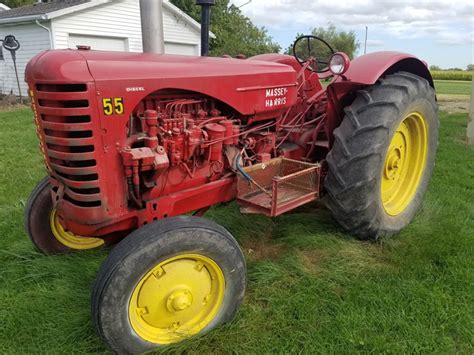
(205, 20)
(365, 42)
(151, 13)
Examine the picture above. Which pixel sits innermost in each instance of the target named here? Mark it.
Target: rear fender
(364, 71)
(367, 69)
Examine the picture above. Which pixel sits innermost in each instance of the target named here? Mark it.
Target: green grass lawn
(311, 287)
(452, 87)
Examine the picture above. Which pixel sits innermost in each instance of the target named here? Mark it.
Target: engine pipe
(205, 20)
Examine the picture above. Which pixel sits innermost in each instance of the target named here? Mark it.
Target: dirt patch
(262, 248)
(11, 108)
(311, 259)
(454, 103)
(9, 102)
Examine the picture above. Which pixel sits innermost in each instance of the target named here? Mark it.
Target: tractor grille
(64, 116)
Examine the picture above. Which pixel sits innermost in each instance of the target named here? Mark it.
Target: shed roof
(39, 8)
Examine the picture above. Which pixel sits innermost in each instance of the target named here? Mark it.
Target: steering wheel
(10, 43)
(311, 47)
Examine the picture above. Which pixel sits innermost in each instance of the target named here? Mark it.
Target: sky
(440, 32)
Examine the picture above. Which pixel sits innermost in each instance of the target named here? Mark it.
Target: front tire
(383, 156)
(168, 281)
(43, 227)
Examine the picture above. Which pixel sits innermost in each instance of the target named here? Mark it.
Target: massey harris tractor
(138, 146)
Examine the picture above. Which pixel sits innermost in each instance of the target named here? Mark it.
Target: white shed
(101, 24)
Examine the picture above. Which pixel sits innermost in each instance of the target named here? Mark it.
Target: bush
(451, 75)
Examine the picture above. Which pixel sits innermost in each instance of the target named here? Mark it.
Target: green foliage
(16, 3)
(190, 8)
(235, 33)
(311, 287)
(434, 67)
(470, 67)
(451, 75)
(340, 41)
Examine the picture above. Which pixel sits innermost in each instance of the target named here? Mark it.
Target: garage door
(181, 48)
(98, 42)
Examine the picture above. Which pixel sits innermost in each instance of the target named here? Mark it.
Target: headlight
(339, 63)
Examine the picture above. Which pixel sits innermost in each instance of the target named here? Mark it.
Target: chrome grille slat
(74, 170)
(65, 118)
(65, 111)
(80, 184)
(82, 197)
(62, 96)
(70, 156)
(69, 142)
(65, 126)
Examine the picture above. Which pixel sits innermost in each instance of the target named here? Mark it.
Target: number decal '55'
(113, 106)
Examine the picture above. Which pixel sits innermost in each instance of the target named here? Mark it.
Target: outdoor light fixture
(339, 63)
(11, 44)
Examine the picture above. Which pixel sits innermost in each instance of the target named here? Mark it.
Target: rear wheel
(43, 226)
(383, 156)
(168, 281)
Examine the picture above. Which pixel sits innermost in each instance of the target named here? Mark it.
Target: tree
(435, 67)
(16, 3)
(340, 41)
(235, 33)
(470, 67)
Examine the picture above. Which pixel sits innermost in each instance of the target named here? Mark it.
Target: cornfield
(452, 75)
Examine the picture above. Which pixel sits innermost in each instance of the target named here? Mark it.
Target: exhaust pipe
(151, 15)
(205, 20)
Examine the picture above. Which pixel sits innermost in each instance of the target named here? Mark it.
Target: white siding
(98, 42)
(121, 20)
(118, 19)
(181, 48)
(33, 39)
(177, 30)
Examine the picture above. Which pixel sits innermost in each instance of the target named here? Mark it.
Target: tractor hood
(239, 83)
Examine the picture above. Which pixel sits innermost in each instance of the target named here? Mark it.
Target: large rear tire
(43, 227)
(383, 156)
(168, 281)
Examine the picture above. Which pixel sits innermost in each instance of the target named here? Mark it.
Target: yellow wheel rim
(69, 239)
(404, 163)
(177, 298)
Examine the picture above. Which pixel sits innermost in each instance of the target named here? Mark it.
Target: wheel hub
(404, 163)
(179, 301)
(177, 298)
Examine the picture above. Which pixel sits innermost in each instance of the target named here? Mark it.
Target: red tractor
(138, 146)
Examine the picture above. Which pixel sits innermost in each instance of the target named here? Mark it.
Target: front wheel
(383, 156)
(168, 281)
(44, 228)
